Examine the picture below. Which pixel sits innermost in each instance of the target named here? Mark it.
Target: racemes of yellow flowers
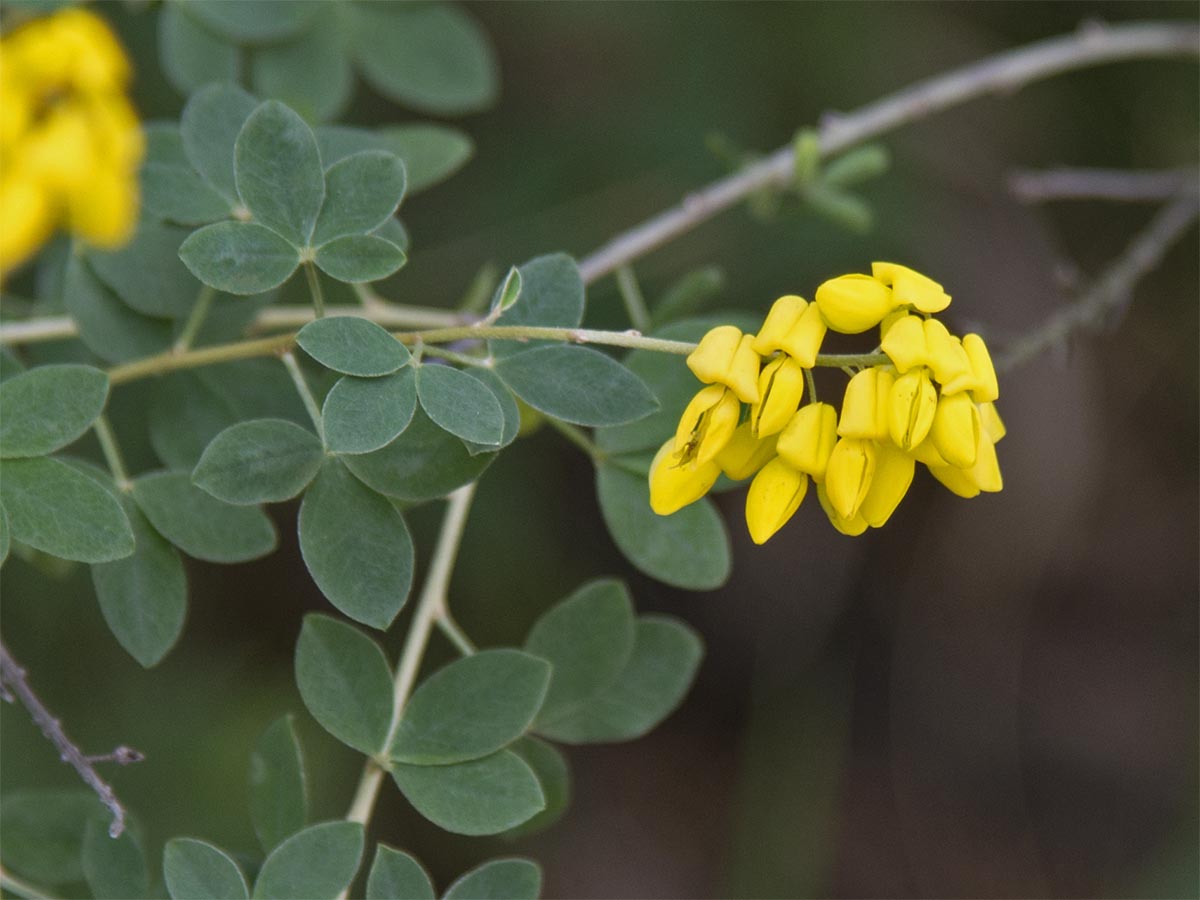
(930, 400)
(70, 143)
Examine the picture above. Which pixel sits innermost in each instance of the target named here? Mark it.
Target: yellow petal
(853, 303)
(774, 496)
(784, 314)
(957, 481)
(807, 440)
(674, 486)
(745, 454)
(986, 387)
(918, 291)
(106, 213)
(26, 217)
(803, 342)
(926, 453)
(852, 527)
(848, 475)
(706, 425)
(955, 430)
(904, 343)
(893, 474)
(780, 388)
(947, 358)
(911, 407)
(865, 405)
(984, 475)
(726, 356)
(991, 422)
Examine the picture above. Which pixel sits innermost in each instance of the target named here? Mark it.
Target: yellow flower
(986, 388)
(794, 327)
(949, 361)
(673, 486)
(911, 407)
(774, 496)
(911, 288)
(904, 342)
(853, 303)
(726, 356)
(780, 389)
(707, 424)
(849, 473)
(991, 422)
(808, 439)
(745, 454)
(984, 475)
(865, 405)
(893, 474)
(955, 430)
(852, 526)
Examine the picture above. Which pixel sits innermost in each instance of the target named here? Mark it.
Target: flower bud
(947, 358)
(780, 390)
(784, 314)
(911, 288)
(774, 496)
(674, 485)
(893, 474)
(726, 356)
(986, 387)
(955, 430)
(991, 422)
(803, 342)
(904, 343)
(745, 454)
(707, 424)
(848, 475)
(865, 405)
(808, 438)
(853, 526)
(853, 303)
(911, 407)
(983, 476)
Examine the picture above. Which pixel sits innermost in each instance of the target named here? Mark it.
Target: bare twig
(1126, 185)
(13, 675)
(1002, 73)
(1114, 289)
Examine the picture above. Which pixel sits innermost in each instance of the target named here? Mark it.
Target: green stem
(629, 339)
(635, 303)
(455, 634)
(310, 402)
(195, 320)
(577, 437)
(314, 288)
(20, 888)
(812, 385)
(112, 452)
(479, 362)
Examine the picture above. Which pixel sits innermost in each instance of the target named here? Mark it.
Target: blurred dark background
(986, 698)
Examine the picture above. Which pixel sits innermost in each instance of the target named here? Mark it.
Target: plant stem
(196, 319)
(21, 888)
(310, 402)
(812, 385)
(112, 452)
(631, 339)
(479, 362)
(314, 288)
(193, 359)
(455, 634)
(577, 437)
(1122, 185)
(635, 303)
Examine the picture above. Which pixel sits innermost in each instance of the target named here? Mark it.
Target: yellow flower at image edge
(70, 143)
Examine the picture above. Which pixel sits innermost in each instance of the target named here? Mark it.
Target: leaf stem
(21, 888)
(195, 320)
(314, 288)
(112, 453)
(631, 293)
(453, 631)
(577, 437)
(812, 385)
(310, 402)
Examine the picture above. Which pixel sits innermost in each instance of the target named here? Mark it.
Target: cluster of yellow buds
(70, 143)
(929, 399)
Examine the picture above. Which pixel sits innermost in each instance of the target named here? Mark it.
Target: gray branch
(1124, 185)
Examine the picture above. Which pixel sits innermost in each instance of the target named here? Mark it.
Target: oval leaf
(239, 257)
(471, 708)
(550, 767)
(312, 73)
(460, 404)
(146, 273)
(278, 791)
(361, 193)
(358, 258)
(499, 879)
(345, 682)
(508, 407)
(552, 294)
(54, 508)
(176, 194)
(356, 546)
(577, 384)
(115, 868)
(252, 23)
(278, 171)
(262, 461)
(484, 796)
(107, 326)
(201, 525)
(43, 833)
(192, 56)
(196, 870)
(209, 126)
(397, 876)
(318, 863)
(353, 346)
(431, 153)
(364, 414)
(49, 407)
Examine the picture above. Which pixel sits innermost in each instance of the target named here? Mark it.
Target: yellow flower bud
(784, 314)
(893, 474)
(955, 430)
(853, 526)
(707, 424)
(911, 406)
(911, 288)
(947, 358)
(780, 390)
(803, 342)
(891, 319)
(991, 422)
(726, 356)
(853, 303)
(745, 454)
(983, 476)
(926, 453)
(904, 343)
(674, 485)
(865, 405)
(986, 388)
(807, 440)
(848, 475)
(774, 496)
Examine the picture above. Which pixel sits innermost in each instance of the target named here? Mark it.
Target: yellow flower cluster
(70, 143)
(931, 401)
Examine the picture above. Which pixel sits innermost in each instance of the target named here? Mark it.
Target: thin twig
(302, 388)
(1003, 73)
(1126, 185)
(13, 675)
(1113, 289)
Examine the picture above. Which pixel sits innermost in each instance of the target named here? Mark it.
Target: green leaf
(552, 294)
(460, 404)
(345, 682)
(197, 870)
(588, 639)
(840, 207)
(689, 549)
(484, 796)
(311, 73)
(356, 546)
(364, 414)
(686, 296)
(577, 384)
(508, 406)
(201, 525)
(144, 596)
(359, 258)
(209, 126)
(471, 708)
(115, 868)
(664, 662)
(55, 509)
(239, 257)
(353, 346)
(278, 171)
(423, 463)
(108, 327)
(262, 461)
(393, 230)
(41, 833)
(431, 153)
(177, 194)
(190, 54)
(278, 792)
(552, 773)
(509, 291)
(397, 876)
(317, 863)
(261, 22)
(49, 407)
(859, 164)
(147, 273)
(164, 143)
(432, 57)
(499, 879)
(361, 193)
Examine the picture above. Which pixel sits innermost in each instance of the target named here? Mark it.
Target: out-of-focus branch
(1092, 44)
(1113, 290)
(1126, 185)
(12, 678)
